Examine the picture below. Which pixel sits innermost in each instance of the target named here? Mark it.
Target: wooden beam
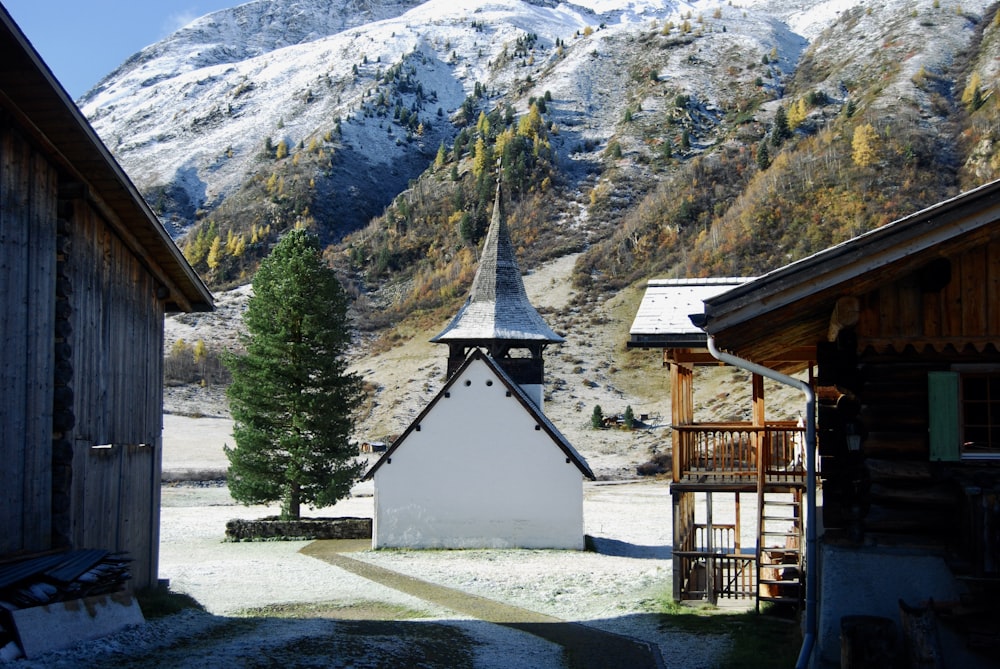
(758, 399)
(689, 357)
(846, 313)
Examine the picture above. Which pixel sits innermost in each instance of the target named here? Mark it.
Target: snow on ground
(614, 589)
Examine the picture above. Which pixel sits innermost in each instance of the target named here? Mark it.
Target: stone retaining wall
(303, 528)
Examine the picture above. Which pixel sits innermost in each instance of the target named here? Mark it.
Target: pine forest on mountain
(737, 164)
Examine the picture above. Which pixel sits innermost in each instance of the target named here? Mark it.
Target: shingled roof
(497, 307)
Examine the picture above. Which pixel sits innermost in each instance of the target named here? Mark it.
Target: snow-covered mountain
(376, 86)
(188, 116)
(661, 124)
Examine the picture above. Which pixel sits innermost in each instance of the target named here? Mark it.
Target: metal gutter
(809, 638)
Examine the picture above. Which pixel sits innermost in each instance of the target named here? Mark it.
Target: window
(964, 414)
(980, 415)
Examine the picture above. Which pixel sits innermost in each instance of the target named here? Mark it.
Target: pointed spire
(497, 307)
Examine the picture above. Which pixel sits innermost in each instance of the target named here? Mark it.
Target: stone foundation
(273, 528)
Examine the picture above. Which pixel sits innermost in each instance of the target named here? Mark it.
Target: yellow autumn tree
(481, 162)
(797, 113)
(200, 350)
(214, 253)
(972, 95)
(529, 124)
(865, 145)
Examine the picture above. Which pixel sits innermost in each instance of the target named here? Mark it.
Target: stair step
(775, 533)
(796, 583)
(780, 600)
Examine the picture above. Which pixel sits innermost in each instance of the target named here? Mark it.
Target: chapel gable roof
(497, 307)
(572, 455)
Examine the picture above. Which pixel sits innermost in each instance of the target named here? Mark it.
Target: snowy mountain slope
(243, 32)
(626, 96)
(188, 117)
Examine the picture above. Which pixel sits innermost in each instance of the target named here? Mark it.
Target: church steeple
(497, 316)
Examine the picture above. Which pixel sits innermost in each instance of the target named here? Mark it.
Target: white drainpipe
(809, 638)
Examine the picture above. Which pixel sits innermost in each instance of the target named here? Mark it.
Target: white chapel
(481, 466)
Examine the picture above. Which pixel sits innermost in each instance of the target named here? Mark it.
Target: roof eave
(31, 92)
(839, 265)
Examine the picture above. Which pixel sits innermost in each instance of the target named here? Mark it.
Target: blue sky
(83, 40)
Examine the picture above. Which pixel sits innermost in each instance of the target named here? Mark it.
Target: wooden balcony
(735, 456)
(713, 565)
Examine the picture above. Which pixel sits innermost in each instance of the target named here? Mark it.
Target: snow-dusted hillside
(189, 115)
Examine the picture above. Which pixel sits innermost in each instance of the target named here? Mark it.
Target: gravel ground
(614, 589)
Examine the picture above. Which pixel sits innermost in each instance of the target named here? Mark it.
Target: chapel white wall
(478, 474)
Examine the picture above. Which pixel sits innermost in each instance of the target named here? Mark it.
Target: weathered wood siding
(890, 492)
(81, 355)
(27, 241)
(117, 361)
(954, 301)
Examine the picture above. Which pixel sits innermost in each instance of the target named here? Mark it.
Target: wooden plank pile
(56, 577)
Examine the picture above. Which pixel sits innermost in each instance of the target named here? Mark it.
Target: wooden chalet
(87, 272)
(755, 464)
(896, 334)
(904, 325)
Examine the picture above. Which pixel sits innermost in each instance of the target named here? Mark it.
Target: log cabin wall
(28, 186)
(891, 491)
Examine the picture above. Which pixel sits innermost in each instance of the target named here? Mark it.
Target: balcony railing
(717, 569)
(739, 452)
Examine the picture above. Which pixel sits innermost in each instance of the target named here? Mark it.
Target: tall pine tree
(292, 398)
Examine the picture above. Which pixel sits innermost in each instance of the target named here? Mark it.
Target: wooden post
(678, 531)
(761, 440)
(682, 413)
(736, 539)
(921, 638)
(710, 593)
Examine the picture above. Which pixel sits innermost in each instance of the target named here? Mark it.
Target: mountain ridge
(639, 140)
(639, 101)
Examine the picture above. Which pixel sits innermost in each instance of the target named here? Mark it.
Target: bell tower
(497, 317)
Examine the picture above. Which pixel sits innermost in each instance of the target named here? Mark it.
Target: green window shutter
(945, 431)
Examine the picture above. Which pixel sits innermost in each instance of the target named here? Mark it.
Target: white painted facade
(480, 467)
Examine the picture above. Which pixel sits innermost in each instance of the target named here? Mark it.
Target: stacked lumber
(56, 577)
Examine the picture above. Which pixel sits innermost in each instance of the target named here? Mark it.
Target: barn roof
(663, 318)
(497, 306)
(572, 455)
(792, 306)
(31, 94)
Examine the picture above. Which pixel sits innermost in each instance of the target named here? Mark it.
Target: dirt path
(585, 647)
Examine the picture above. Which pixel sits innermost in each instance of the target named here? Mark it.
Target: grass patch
(363, 610)
(763, 640)
(162, 602)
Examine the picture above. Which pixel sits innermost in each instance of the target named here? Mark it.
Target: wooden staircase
(780, 545)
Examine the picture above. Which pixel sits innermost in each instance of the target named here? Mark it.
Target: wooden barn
(87, 273)
(894, 339)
